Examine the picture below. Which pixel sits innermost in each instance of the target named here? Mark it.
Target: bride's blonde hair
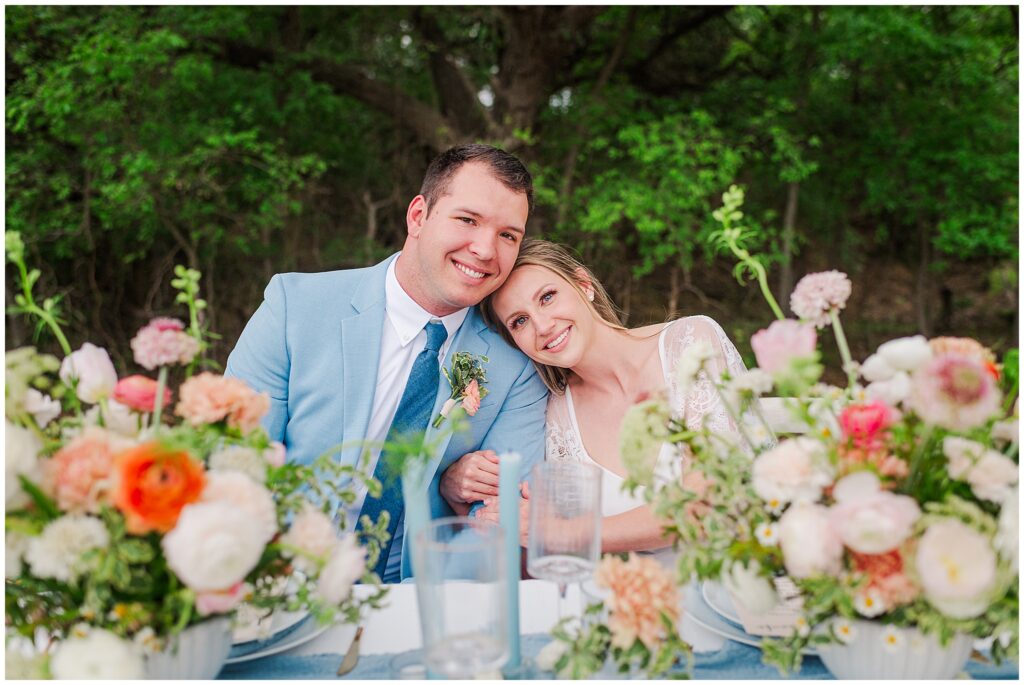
(560, 261)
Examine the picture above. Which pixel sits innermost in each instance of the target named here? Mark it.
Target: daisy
(775, 506)
(766, 534)
(892, 639)
(844, 630)
(869, 603)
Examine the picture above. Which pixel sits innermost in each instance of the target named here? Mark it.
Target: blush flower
(80, 474)
(818, 294)
(865, 424)
(798, 469)
(809, 543)
(208, 398)
(471, 398)
(154, 484)
(91, 372)
(342, 570)
(775, 346)
(641, 591)
(245, 495)
(139, 393)
(310, 539)
(957, 568)
(954, 391)
(163, 341)
(868, 519)
(968, 347)
(214, 546)
(208, 603)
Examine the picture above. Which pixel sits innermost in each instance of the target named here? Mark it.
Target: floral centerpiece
(894, 502)
(123, 527)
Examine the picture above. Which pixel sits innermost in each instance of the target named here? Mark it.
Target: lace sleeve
(561, 442)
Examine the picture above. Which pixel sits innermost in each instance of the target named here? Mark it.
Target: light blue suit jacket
(314, 347)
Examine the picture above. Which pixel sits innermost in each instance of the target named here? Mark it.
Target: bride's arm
(633, 531)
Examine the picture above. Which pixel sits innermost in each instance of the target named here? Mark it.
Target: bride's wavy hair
(560, 261)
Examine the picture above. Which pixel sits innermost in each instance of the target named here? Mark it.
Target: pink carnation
(641, 591)
(471, 398)
(954, 391)
(865, 424)
(209, 398)
(163, 341)
(79, 475)
(781, 342)
(818, 294)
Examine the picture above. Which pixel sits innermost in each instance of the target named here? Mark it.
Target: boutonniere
(467, 378)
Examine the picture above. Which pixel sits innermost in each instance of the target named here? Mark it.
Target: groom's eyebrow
(477, 215)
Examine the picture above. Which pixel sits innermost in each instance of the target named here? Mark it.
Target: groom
(353, 355)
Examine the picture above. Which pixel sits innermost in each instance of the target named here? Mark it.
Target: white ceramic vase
(198, 653)
(874, 651)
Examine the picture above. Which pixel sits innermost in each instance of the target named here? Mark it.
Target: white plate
(307, 631)
(717, 597)
(704, 615)
(278, 621)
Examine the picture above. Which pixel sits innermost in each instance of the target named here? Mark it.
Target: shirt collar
(409, 318)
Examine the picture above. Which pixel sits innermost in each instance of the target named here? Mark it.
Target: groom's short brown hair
(506, 168)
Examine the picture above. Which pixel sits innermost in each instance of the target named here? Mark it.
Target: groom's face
(462, 248)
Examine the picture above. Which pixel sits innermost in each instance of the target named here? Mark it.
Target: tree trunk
(788, 240)
(673, 292)
(921, 308)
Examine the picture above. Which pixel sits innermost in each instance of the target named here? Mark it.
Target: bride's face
(546, 315)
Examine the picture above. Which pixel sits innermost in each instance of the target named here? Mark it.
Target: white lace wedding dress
(700, 406)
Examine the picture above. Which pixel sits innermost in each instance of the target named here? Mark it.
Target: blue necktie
(412, 416)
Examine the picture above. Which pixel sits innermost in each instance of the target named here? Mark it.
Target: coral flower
(471, 398)
(79, 475)
(641, 591)
(154, 484)
(209, 398)
(139, 393)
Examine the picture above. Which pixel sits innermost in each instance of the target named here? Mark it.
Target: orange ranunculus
(154, 484)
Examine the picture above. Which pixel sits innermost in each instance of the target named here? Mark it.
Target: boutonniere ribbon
(467, 378)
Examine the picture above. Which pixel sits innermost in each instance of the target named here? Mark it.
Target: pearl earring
(590, 295)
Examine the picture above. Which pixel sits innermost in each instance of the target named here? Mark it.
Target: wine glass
(462, 591)
(565, 523)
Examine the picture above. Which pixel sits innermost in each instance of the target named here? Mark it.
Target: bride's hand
(472, 478)
(491, 511)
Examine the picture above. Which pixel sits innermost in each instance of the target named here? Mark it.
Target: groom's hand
(472, 478)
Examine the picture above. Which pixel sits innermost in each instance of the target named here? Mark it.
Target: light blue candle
(417, 509)
(508, 494)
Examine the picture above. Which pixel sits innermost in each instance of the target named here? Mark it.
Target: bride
(555, 310)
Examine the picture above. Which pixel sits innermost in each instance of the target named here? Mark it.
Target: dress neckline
(572, 407)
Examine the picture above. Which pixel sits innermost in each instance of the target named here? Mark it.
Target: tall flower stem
(158, 404)
(844, 348)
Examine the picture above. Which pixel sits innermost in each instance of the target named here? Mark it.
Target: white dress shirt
(402, 340)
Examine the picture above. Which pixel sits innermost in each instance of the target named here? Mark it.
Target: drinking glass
(565, 523)
(461, 587)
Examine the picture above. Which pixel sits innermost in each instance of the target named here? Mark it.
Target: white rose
(893, 391)
(993, 476)
(957, 568)
(343, 569)
(246, 495)
(100, 655)
(751, 589)
(875, 369)
(312, 537)
(549, 655)
(43, 408)
(57, 552)
(868, 519)
(95, 373)
(213, 546)
(21, 458)
(1007, 539)
(809, 544)
(797, 469)
(242, 459)
(905, 354)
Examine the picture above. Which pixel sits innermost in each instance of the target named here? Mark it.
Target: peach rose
(139, 393)
(209, 398)
(154, 484)
(80, 474)
(471, 398)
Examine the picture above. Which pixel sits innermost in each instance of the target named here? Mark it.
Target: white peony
(21, 458)
(957, 567)
(343, 569)
(1007, 539)
(875, 369)
(91, 372)
(868, 519)
(43, 408)
(798, 469)
(905, 354)
(310, 539)
(893, 391)
(810, 545)
(990, 474)
(749, 587)
(213, 546)
(99, 655)
(242, 459)
(246, 495)
(57, 552)
(15, 545)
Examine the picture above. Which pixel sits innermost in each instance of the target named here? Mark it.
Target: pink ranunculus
(209, 398)
(91, 371)
(781, 342)
(80, 474)
(471, 398)
(163, 341)
(863, 424)
(954, 391)
(275, 454)
(220, 602)
(868, 519)
(139, 393)
(818, 294)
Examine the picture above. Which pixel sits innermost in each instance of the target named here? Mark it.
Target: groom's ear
(415, 215)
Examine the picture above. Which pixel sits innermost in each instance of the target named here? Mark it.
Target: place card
(779, 621)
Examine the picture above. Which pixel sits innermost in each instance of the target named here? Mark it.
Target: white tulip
(91, 367)
(906, 354)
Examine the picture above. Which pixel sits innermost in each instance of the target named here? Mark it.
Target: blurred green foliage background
(245, 141)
